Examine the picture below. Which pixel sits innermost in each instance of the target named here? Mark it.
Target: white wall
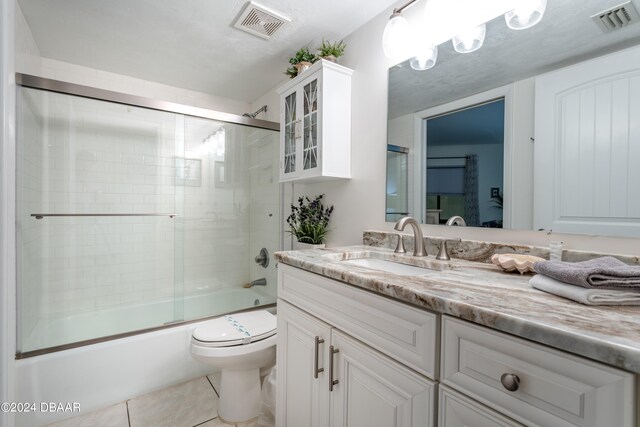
(360, 201)
(7, 204)
(28, 57)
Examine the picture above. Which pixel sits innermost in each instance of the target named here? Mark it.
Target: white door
(373, 390)
(302, 395)
(587, 147)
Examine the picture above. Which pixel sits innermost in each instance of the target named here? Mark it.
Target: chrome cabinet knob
(510, 381)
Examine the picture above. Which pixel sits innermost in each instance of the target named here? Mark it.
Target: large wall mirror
(462, 135)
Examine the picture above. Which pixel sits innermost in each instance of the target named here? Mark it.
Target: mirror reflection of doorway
(464, 165)
(397, 203)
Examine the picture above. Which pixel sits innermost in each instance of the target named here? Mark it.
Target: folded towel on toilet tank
(602, 273)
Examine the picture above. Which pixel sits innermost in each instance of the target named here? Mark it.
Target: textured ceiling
(565, 35)
(189, 44)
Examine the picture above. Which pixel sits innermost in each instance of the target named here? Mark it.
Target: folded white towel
(588, 296)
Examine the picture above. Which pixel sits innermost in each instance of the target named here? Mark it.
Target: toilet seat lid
(236, 329)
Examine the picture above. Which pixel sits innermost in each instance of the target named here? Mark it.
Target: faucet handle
(400, 246)
(443, 252)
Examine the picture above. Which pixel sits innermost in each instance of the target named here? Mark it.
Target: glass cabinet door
(290, 118)
(310, 118)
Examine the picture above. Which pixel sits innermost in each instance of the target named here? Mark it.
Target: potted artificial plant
(331, 51)
(301, 61)
(309, 222)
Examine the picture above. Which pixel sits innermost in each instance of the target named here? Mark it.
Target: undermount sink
(398, 268)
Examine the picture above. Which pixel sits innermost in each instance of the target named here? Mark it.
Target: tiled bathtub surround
(78, 155)
(474, 250)
(484, 294)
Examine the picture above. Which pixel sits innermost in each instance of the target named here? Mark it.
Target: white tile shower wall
(106, 158)
(216, 236)
(31, 192)
(265, 202)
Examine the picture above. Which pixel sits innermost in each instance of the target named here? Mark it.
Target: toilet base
(239, 395)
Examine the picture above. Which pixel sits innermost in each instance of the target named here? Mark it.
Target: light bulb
(470, 40)
(396, 39)
(526, 15)
(425, 60)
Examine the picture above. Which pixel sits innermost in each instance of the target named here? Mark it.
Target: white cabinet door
(303, 341)
(587, 147)
(315, 124)
(373, 390)
(310, 149)
(289, 134)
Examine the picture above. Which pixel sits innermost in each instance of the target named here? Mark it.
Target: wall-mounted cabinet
(315, 124)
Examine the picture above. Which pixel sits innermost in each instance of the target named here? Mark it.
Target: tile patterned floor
(190, 404)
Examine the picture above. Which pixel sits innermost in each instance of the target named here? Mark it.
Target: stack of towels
(601, 281)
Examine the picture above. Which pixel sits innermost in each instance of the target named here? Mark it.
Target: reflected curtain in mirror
(471, 211)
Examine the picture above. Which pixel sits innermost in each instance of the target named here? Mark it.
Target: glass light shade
(526, 15)
(397, 39)
(470, 40)
(425, 60)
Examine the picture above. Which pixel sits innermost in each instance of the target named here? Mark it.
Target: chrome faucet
(457, 220)
(257, 282)
(418, 238)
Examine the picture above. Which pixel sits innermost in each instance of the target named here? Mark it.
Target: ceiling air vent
(616, 17)
(260, 21)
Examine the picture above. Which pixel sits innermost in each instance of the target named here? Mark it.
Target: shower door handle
(317, 370)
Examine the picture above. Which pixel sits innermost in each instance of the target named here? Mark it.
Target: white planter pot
(300, 245)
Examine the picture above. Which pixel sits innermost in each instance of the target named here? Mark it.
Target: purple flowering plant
(309, 220)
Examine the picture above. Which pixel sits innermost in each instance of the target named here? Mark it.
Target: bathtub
(112, 371)
(76, 329)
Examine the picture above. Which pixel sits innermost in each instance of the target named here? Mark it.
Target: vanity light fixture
(397, 39)
(526, 15)
(470, 39)
(425, 60)
(461, 21)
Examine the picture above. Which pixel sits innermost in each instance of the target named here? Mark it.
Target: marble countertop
(484, 294)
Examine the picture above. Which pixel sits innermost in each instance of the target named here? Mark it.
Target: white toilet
(240, 344)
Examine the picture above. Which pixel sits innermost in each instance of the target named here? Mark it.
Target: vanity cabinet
(350, 357)
(531, 383)
(315, 124)
(330, 375)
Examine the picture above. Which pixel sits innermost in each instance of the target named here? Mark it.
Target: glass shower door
(96, 219)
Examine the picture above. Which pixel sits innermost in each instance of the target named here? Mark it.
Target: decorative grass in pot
(309, 222)
(331, 51)
(302, 60)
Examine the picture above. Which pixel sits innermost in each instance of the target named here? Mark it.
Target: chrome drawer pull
(510, 381)
(317, 370)
(332, 382)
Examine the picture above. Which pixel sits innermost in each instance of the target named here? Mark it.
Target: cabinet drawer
(457, 410)
(554, 388)
(403, 332)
